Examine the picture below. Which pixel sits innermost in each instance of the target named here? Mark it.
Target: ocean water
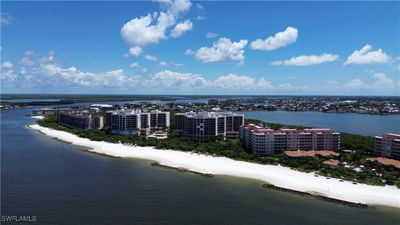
(63, 184)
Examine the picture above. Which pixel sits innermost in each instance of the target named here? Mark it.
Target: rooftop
(310, 153)
(205, 114)
(386, 161)
(266, 130)
(331, 162)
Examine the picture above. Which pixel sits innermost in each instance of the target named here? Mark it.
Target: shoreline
(281, 177)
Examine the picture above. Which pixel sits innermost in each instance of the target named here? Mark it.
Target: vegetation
(361, 146)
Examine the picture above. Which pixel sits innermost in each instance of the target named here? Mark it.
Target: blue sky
(183, 47)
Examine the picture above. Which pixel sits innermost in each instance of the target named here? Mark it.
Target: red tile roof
(386, 161)
(331, 162)
(310, 153)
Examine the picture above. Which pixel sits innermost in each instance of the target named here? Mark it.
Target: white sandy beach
(277, 175)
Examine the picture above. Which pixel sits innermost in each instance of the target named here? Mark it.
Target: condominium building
(205, 126)
(79, 120)
(133, 121)
(388, 145)
(266, 141)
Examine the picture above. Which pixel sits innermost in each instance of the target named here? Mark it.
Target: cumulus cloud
(175, 80)
(233, 81)
(135, 51)
(279, 40)
(51, 74)
(382, 81)
(305, 60)
(152, 28)
(366, 56)
(7, 65)
(181, 28)
(221, 50)
(151, 58)
(355, 84)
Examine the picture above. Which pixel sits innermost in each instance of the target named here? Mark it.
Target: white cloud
(134, 65)
(151, 58)
(175, 80)
(181, 28)
(279, 40)
(135, 51)
(199, 18)
(163, 63)
(305, 60)
(49, 58)
(366, 56)
(190, 52)
(50, 74)
(27, 59)
(355, 84)
(7, 65)
(211, 35)
(5, 19)
(236, 82)
(152, 28)
(382, 81)
(223, 49)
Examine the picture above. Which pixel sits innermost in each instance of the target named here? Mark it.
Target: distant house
(333, 163)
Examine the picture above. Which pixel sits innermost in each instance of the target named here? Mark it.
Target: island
(349, 175)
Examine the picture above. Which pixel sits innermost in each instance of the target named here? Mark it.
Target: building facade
(79, 120)
(388, 145)
(205, 126)
(133, 121)
(266, 141)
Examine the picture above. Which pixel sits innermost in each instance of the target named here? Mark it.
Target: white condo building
(134, 121)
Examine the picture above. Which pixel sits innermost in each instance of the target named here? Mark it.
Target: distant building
(79, 120)
(205, 126)
(48, 111)
(108, 119)
(332, 163)
(98, 122)
(134, 121)
(388, 145)
(266, 141)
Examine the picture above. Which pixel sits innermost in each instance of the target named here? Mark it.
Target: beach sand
(277, 175)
